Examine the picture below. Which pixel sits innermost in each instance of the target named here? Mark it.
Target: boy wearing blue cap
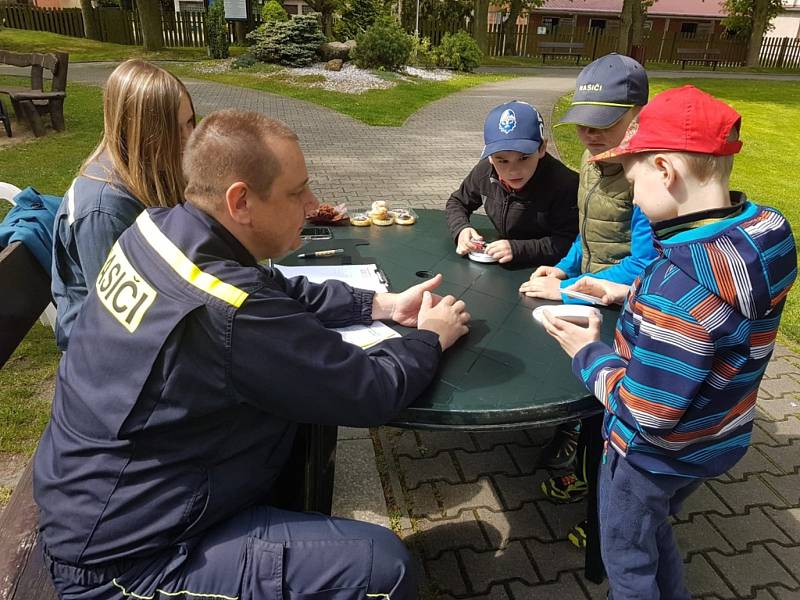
(529, 195)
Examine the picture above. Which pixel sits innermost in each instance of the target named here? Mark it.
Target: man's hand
(465, 238)
(547, 288)
(608, 291)
(501, 250)
(571, 337)
(403, 307)
(447, 318)
(545, 271)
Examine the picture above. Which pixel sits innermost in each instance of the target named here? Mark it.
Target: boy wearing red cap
(693, 340)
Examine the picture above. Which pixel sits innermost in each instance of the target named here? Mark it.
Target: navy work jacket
(186, 373)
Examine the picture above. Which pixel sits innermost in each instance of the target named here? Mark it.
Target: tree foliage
(357, 17)
(326, 9)
(273, 11)
(742, 14)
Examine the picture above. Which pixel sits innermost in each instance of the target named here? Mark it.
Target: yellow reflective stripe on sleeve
(186, 268)
(604, 104)
(378, 596)
(165, 593)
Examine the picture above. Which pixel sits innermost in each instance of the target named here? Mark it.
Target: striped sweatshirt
(693, 341)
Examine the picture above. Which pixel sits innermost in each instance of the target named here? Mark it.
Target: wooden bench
(26, 291)
(563, 49)
(703, 56)
(31, 103)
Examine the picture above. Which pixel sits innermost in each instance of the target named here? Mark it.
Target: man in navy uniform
(188, 368)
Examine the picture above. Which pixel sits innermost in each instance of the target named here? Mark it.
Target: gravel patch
(350, 80)
(431, 74)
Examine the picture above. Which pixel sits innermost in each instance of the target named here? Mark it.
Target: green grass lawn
(50, 162)
(81, 49)
(376, 107)
(766, 167)
(535, 61)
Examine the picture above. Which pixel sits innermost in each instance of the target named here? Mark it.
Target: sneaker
(565, 489)
(577, 535)
(560, 452)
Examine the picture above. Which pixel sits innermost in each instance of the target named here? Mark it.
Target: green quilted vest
(605, 206)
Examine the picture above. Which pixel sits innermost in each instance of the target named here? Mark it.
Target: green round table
(507, 372)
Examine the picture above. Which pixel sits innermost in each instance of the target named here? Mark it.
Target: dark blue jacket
(187, 370)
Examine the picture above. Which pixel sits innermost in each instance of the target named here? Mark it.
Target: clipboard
(368, 277)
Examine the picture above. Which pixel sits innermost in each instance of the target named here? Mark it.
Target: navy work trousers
(263, 553)
(639, 551)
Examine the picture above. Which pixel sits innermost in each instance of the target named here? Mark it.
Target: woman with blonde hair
(147, 117)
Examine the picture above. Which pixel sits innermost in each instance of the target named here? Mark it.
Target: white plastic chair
(7, 192)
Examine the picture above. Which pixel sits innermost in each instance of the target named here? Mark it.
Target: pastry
(403, 217)
(380, 215)
(360, 220)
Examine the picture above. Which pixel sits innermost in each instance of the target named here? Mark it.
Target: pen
(321, 253)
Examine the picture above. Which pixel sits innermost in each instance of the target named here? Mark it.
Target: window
(291, 8)
(550, 24)
(597, 24)
(688, 28)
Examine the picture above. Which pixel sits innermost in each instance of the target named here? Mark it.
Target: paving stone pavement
(468, 504)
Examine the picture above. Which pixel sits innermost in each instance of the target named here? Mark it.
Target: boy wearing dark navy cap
(529, 195)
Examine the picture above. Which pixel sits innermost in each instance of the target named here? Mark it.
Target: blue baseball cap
(514, 126)
(605, 90)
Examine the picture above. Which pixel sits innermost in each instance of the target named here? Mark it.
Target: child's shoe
(565, 489)
(577, 535)
(560, 452)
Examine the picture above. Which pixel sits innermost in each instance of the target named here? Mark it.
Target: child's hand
(571, 337)
(608, 291)
(547, 288)
(545, 271)
(465, 238)
(501, 250)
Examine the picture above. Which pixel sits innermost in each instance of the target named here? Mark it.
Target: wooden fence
(189, 29)
(115, 25)
(658, 48)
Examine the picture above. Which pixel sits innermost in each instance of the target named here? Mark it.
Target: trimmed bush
(458, 51)
(384, 45)
(422, 55)
(217, 31)
(273, 11)
(293, 43)
(244, 61)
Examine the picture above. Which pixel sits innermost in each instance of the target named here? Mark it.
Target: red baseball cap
(683, 119)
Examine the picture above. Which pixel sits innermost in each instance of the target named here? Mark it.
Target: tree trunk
(150, 19)
(637, 26)
(481, 25)
(510, 29)
(757, 34)
(91, 30)
(327, 23)
(625, 27)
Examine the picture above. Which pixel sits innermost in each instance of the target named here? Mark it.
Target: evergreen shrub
(218, 44)
(293, 43)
